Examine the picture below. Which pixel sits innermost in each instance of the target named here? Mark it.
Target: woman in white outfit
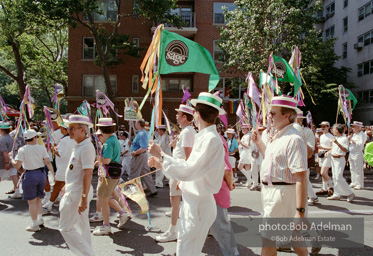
(244, 164)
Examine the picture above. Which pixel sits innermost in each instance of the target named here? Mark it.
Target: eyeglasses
(74, 128)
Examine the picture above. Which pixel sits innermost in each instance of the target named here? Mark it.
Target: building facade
(351, 23)
(202, 21)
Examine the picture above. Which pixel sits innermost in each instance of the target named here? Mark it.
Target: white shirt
(164, 141)
(185, 140)
(65, 149)
(57, 136)
(309, 137)
(202, 174)
(125, 147)
(32, 156)
(357, 142)
(245, 140)
(326, 140)
(83, 157)
(336, 150)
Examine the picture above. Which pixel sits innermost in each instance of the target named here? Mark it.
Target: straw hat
(79, 119)
(210, 100)
(284, 101)
(230, 130)
(186, 109)
(357, 123)
(107, 121)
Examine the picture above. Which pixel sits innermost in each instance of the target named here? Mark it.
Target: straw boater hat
(186, 109)
(30, 133)
(245, 126)
(107, 121)
(325, 123)
(283, 101)
(63, 124)
(357, 123)
(162, 126)
(5, 125)
(210, 100)
(300, 113)
(230, 130)
(79, 119)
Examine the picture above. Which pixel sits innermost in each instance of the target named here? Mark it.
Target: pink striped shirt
(285, 155)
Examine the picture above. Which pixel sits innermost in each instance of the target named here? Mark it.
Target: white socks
(324, 186)
(49, 204)
(329, 183)
(35, 222)
(172, 229)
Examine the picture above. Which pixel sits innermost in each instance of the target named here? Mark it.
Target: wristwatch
(301, 210)
(84, 195)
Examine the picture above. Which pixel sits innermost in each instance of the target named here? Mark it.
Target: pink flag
(309, 118)
(239, 111)
(186, 96)
(223, 118)
(252, 90)
(102, 101)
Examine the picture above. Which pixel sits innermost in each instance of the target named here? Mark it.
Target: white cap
(31, 133)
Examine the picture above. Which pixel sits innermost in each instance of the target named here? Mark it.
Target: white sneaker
(123, 220)
(357, 187)
(312, 201)
(166, 237)
(41, 222)
(168, 214)
(102, 230)
(350, 198)
(16, 195)
(334, 197)
(235, 179)
(352, 185)
(33, 228)
(317, 176)
(96, 218)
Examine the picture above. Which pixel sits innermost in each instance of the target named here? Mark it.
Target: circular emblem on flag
(101, 100)
(280, 69)
(177, 53)
(345, 93)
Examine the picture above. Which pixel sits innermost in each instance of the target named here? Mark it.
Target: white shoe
(166, 237)
(352, 185)
(44, 201)
(41, 222)
(16, 195)
(235, 179)
(123, 220)
(102, 230)
(351, 198)
(45, 210)
(96, 218)
(312, 201)
(357, 187)
(334, 197)
(168, 214)
(33, 228)
(317, 176)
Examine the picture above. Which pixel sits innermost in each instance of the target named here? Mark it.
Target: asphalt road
(137, 239)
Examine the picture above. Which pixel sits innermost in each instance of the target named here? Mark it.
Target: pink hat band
(108, 123)
(185, 109)
(78, 118)
(284, 102)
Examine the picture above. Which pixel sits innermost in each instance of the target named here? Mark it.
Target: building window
(108, 11)
(91, 83)
(365, 11)
(219, 11)
(135, 84)
(88, 48)
(345, 50)
(360, 70)
(218, 52)
(367, 38)
(329, 32)
(176, 84)
(345, 24)
(330, 9)
(345, 3)
(185, 12)
(365, 68)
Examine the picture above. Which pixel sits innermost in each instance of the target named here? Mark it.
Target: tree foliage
(258, 28)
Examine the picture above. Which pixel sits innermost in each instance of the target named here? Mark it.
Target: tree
(257, 28)
(109, 44)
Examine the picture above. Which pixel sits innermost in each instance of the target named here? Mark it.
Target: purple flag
(186, 96)
(309, 118)
(252, 90)
(223, 118)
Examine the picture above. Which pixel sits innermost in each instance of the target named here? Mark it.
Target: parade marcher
(256, 161)
(125, 153)
(284, 168)
(244, 164)
(6, 168)
(139, 161)
(32, 157)
(163, 140)
(74, 206)
(233, 151)
(356, 156)
(325, 160)
(318, 167)
(200, 176)
(63, 153)
(182, 147)
(222, 229)
(339, 150)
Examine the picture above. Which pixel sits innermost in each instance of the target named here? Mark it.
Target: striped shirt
(285, 155)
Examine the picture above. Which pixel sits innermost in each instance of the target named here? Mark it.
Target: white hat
(63, 124)
(357, 123)
(210, 100)
(79, 119)
(162, 126)
(107, 121)
(230, 130)
(5, 125)
(284, 101)
(30, 133)
(325, 123)
(186, 109)
(300, 113)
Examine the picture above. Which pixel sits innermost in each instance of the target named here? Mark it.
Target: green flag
(264, 78)
(350, 96)
(285, 73)
(179, 54)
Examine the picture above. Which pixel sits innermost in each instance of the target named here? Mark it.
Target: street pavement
(136, 238)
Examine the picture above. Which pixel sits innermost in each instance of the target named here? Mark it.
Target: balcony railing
(188, 18)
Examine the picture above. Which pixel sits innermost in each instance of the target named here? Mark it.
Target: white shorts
(232, 161)
(325, 162)
(173, 186)
(7, 173)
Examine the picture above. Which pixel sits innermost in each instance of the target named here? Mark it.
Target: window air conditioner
(358, 45)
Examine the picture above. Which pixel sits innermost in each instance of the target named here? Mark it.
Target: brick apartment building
(203, 19)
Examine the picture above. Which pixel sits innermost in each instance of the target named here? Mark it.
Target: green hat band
(211, 100)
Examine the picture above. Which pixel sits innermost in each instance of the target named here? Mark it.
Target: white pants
(340, 185)
(311, 193)
(75, 228)
(357, 168)
(197, 215)
(159, 178)
(255, 168)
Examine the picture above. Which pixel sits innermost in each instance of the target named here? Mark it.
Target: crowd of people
(199, 160)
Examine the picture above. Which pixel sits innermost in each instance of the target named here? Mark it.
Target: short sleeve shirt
(111, 149)
(140, 141)
(185, 140)
(6, 144)
(32, 156)
(232, 145)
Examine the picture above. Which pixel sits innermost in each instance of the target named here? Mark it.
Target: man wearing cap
(6, 168)
(284, 169)
(33, 157)
(182, 145)
(139, 161)
(163, 140)
(356, 158)
(74, 206)
(63, 153)
(200, 176)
